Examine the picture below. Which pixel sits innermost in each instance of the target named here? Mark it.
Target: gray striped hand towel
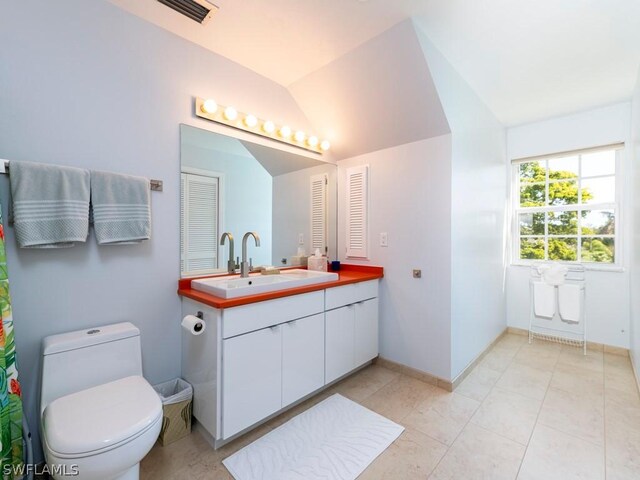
(50, 204)
(121, 207)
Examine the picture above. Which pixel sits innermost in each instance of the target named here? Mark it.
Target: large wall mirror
(236, 186)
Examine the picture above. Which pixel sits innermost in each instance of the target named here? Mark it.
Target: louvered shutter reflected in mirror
(199, 228)
(318, 189)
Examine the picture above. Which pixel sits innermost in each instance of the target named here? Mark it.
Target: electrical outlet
(417, 273)
(384, 239)
(301, 239)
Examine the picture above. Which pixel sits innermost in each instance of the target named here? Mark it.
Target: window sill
(588, 267)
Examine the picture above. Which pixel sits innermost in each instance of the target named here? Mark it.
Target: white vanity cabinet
(251, 378)
(266, 370)
(254, 360)
(351, 328)
(302, 358)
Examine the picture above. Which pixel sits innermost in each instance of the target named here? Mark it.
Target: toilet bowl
(99, 416)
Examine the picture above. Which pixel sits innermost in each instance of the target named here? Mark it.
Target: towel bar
(154, 185)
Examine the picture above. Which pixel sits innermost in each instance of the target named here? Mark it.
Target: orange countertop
(348, 274)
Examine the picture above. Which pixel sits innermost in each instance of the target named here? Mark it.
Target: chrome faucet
(245, 266)
(232, 264)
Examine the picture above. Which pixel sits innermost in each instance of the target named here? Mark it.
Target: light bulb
(209, 106)
(325, 145)
(268, 126)
(312, 141)
(285, 131)
(299, 136)
(250, 120)
(230, 113)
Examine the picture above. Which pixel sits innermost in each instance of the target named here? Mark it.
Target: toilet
(99, 416)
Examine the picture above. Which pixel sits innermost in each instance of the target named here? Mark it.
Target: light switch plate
(301, 239)
(384, 239)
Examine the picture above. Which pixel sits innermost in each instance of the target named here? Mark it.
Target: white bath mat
(334, 440)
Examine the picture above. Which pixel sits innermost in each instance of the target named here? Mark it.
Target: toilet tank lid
(84, 338)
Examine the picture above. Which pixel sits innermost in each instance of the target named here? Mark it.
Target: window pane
(532, 248)
(599, 163)
(599, 190)
(564, 167)
(598, 222)
(563, 223)
(532, 172)
(531, 223)
(532, 195)
(564, 249)
(600, 250)
(563, 193)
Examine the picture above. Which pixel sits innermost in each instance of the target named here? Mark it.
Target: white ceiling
(528, 60)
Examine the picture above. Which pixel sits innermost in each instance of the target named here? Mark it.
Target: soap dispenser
(317, 262)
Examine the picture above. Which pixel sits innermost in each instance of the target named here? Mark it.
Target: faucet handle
(250, 263)
(237, 262)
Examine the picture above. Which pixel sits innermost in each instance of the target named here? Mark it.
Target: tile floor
(541, 411)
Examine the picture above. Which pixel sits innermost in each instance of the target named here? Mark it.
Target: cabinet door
(302, 357)
(366, 331)
(340, 340)
(251, 378)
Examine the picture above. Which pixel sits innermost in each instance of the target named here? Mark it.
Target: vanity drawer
(353, 293)
(247, 318)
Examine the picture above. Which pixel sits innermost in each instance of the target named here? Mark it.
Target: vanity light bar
(228, 115)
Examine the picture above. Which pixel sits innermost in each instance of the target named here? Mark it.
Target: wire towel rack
(556, 329)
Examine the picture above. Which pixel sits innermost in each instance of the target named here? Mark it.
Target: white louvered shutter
(319, 212)
(357, 211)
(199, 235)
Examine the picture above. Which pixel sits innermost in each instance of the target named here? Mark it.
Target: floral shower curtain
(10, 394)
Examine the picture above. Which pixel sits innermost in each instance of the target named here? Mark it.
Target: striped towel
(50, 204)
(121, 208)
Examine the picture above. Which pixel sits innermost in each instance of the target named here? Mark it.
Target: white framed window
(566, 207)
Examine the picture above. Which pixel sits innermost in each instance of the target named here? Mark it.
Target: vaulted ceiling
(526, 60)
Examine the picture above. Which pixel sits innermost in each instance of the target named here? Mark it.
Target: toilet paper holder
(200, 315)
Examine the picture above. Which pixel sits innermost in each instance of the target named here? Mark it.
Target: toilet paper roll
(193, 325)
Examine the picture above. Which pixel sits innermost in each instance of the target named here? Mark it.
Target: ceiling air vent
(199, 10)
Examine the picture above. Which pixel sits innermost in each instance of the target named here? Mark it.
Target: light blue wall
(635, 233)
(86, 84)
(478, 200)
(292, 212)
(246, 198)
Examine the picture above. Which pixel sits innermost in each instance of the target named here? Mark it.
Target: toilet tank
(75, 361)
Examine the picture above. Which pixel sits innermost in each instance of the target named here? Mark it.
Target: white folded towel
(569, 297)
(544, 300)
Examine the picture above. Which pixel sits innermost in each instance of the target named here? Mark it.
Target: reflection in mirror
(236, 186)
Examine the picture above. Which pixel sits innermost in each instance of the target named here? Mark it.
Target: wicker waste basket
(177, 408)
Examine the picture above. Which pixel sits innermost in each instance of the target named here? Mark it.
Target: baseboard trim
(635, 371)
(467, 370)
(599, 347)
(450, 386)
(447, 385)
(415, 373)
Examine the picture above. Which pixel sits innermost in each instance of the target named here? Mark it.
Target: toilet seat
(102, 418)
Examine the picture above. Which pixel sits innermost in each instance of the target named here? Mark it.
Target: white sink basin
(235, 286)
